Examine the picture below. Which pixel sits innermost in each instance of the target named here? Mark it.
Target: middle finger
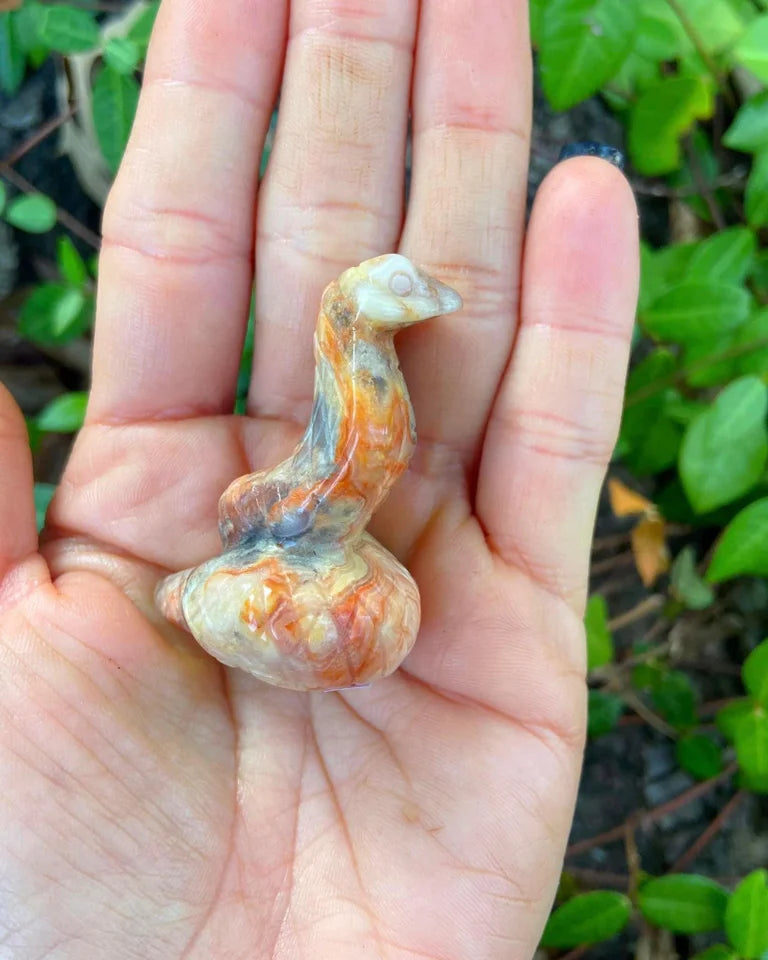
(333, 192)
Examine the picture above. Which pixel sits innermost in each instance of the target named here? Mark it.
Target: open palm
(156, 805)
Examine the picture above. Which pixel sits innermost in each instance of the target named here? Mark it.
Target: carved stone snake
(302, 596)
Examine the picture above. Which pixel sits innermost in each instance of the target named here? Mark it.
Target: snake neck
(360, 436)
(359, 440)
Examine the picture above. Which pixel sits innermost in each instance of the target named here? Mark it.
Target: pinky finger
(556, 416)
(18, 530)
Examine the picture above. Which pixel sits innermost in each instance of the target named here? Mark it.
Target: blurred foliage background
(670, 837)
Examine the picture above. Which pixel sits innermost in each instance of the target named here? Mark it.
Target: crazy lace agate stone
(302, 596)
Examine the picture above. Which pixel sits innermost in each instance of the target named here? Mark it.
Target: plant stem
(576, 953)
(703, 187)
(635, 703)
(37, 137)
(644, 818)
(624, 559)
(646, 606)
(708, 835)
(702, 51)
(65, 219)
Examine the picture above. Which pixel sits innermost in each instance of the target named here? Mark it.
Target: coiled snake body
(301, 596)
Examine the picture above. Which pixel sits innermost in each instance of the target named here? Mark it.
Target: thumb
(18, 530)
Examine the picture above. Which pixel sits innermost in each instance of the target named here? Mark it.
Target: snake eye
(400, 284)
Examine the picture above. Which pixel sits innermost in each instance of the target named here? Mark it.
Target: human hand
(156, 805)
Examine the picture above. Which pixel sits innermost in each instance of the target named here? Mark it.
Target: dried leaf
(626, 502)
(649, 548)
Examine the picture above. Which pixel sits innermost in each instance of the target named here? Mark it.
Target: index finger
(176, 265)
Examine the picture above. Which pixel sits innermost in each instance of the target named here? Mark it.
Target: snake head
(391, 292)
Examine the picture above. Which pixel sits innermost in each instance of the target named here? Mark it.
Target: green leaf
(651, 445)
(725, 257)
(54, 313)
(754, 333)
(588, 918)
(660, 35)
(582, 44)
(684, 409)
(730, 716)
(599, 639)
(749, 130)
(649, 438)
(674, 261)
(725, 449)
(66, 311)
(604, 710)
(754, 673)
(717, 23)
(33, 212)
(751, 744)
(675, 698)
(686, 584)
(756, 193)
(695, 310)
(67, 29)
(70, 262)
(683, 903)
(12, 60)
(661, 116)
(27, 24)
(699, 755)
(743, 547)
(701, 362)
(752, 50)
(115, 96)
(122, 54)
(141, 30)
(648, 676)
(64, 414)
(717, 951)
(635, 74)
(2, 196)
(746, 918)
(43, 496)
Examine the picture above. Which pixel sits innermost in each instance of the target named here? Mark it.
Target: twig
(718, 667)
(608, 563)
(703, 187)
(610, 541)
(733, 178)
(652, 653)
(617, 585)
(37, 137)
(576, 953)
(645, 818)
(599, 878)
(712, 706)
(65, 219)
(633, 861)
(708, 835)
(646, 606)
(634, 702)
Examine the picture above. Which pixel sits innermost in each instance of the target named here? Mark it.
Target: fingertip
(18, 529)
(595, 245)
(589, 188)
